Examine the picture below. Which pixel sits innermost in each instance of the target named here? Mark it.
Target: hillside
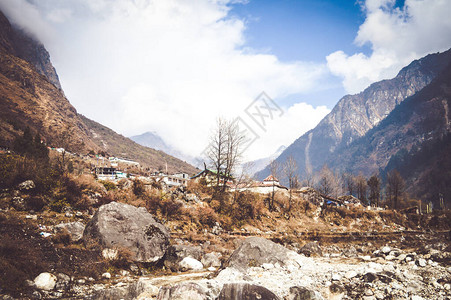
(354, 115)
(30, 96)
(415, 139)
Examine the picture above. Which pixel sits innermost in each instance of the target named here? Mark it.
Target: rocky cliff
(415, 139)
(354, 115)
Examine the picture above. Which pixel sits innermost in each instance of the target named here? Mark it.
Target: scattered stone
(45, 281)
(63, 282)
(311, 249)
(385, 250)
(303, 293)
(369, 277)
(351, 274)
(211, 260)
(106, 275)
(18, 203)
(267, 266)
(336, 277)
(239, 291)
(122, 225)
(422, 262)
(176, 253)
(109, 254)
(182, 291)
(26, 185)
(75, 230)
(189, 263)
(336, 291)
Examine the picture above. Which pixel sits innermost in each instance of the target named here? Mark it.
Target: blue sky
(305, 30)
(294, 29)
(174, 66)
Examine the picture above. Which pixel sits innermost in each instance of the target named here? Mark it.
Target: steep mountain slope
(18, 43)
(415, 139)
(354, 115)
(30, 95)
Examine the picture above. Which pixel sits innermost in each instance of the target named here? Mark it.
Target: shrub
(170, 208)
(247, 206)
(207, 216)
(138, 188)
(62, 237)
(109, 186)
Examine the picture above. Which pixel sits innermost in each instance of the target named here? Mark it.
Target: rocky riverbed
(123, 252)
(261, 269)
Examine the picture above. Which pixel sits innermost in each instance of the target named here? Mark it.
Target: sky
(175, 66)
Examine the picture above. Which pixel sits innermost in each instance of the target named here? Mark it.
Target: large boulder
(256, 251)
(118, 225)
(182, 291)
(245, 291)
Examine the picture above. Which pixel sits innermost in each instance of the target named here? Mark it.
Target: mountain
(415, 139)
(259, 164)
(31, 96)
(354, 115)
(153, 140)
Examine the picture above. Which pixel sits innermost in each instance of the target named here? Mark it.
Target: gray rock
(26, 185)
(303, 293)
(422, 262)
(311, 249)
(45, 281)
(241, 291)
(211, 260)
(75, 230)
(255, 251)
(189, 263)
(119, 225)
(18, 203)
(182, 291)
(62, 282)
(176, 253)
(386, 249)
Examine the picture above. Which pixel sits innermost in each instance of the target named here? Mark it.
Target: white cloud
(284, 130)
(28, 18)
(397, 36)
(171, 66)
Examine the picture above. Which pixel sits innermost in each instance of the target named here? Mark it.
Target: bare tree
(361, 188)
(349, 183)
(308, 179)
(374, 185)
(395, 187)
(234, 150)
(329, 183)
(217, 148)
(274, 168)
(225, 150)
(290, 170)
